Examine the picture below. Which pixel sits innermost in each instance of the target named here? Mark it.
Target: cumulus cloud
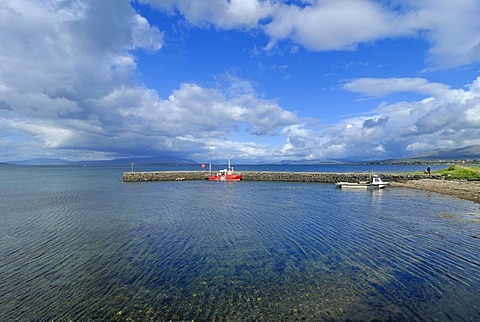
(338, 25)
(370, 123)
(194, 118)
(446, 119)
(74, 92)
(67, 88)
(55, 56)
(453, 31)
(451, 28)
(68, 50)
(443, 120)
(220, 13)
(377, 87)
(441, 108)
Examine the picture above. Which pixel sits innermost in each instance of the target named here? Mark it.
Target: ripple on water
(244, 251)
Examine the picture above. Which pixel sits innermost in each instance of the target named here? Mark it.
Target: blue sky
(250, 80)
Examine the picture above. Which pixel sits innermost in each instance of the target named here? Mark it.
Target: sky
(254, 81)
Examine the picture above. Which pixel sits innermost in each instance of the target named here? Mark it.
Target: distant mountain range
(137, 160)
(465, 153)
(113, 162)
(471, 152)
(41, 161)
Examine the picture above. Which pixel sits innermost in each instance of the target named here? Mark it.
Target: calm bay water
(80, 244)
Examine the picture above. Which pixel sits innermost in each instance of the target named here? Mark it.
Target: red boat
(226, 175)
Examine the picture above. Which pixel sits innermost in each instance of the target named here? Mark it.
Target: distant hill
(471, 152)
(465, 153)
(41, 161)
(113, 162)
(138, 161)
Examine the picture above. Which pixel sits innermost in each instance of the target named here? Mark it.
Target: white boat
(375, 183)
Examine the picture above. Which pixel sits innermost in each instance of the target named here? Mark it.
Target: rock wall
(325, 177)
(163, 176)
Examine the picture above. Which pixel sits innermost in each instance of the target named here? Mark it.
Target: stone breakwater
(325, 177)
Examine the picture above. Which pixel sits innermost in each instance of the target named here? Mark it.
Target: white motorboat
(375, 183)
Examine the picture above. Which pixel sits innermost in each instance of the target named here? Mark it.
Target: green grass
(460, 172)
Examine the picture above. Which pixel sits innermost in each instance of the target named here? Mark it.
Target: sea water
(77, 243)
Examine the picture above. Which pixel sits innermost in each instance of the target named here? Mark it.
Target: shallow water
(78, 243)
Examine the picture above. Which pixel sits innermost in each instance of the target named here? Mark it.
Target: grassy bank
(460, 172)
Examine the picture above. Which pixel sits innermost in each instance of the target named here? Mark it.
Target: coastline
(463, 189)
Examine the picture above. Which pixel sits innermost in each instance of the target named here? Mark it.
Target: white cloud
(417, 146)
(68, 49)
(377, 87)
(55, 56)
(453, 31)
(220, 13)
(337, 25)
(447, 119)
(379, 149)
(66, 70)
(194, 117)
(205, 121)
(451, 28)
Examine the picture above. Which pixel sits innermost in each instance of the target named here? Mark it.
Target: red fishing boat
(226, 175)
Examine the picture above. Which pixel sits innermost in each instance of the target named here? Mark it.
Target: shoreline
(463, 189)
(285, 176)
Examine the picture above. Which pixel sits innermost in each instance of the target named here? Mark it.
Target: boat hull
(375, 183)
(234, 177)
(353, 185)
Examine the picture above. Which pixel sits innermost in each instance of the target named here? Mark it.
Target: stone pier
(325, 177)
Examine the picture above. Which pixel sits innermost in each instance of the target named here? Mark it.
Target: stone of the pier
(326, 177)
